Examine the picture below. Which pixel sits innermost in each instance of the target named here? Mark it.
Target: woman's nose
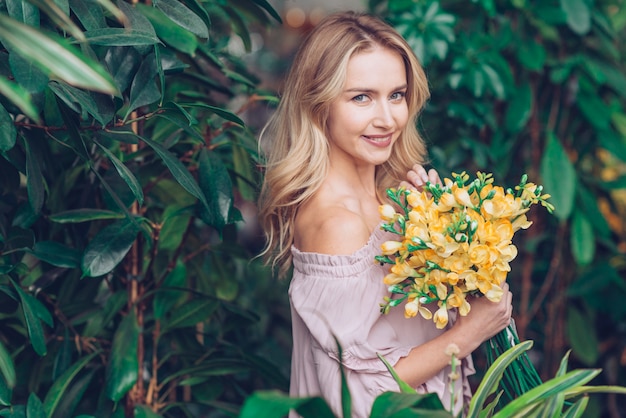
(384, 115)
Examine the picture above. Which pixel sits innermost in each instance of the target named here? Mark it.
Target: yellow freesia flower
(441, 317)
(391, 247)
(387, 213)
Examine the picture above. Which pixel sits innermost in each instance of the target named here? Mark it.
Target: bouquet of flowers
(455, 240)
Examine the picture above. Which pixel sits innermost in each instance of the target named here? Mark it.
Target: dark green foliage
(124, 288)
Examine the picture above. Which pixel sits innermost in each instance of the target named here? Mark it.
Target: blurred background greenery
(128, 279)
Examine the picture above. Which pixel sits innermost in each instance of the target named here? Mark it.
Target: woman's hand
(417, 177)
(485, 319)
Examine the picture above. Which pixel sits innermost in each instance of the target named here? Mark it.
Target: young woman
(345, 130)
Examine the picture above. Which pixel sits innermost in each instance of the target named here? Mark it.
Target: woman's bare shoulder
(330, 229)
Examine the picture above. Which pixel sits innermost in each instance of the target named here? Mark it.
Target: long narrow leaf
(492, 377)
(62, 20)
(548, 389)
(6, 367)
(58, 388)
(274, 404)
(123, 368)
(54, 56)
(577, 409)
(125, 173)
(33, 325)
(178, 170)
(20, 98)
(404, 387)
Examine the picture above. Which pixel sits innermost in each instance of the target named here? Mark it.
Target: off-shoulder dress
(338, 296)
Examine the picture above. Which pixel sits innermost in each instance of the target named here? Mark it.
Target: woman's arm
(484, 320)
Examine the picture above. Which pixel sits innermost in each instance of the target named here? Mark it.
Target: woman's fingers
(418, 176)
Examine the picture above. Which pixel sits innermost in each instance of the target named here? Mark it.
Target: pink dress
(339, 295)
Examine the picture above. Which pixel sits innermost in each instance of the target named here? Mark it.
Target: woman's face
(371, 110)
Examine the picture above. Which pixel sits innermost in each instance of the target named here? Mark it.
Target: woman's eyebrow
(370, 90)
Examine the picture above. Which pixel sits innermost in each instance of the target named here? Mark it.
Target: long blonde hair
(295, 141)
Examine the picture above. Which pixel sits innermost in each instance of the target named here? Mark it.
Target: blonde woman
(344, 131)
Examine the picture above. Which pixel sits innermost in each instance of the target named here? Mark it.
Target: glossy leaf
(5, 393)
(268, 7)
(272, 404)
(21, 98)
(34, 407)
(189, 314)
(59, 387)
(8, 133)
(27, 73)
(108, 247)
(60, 17)
(57, 254)
(84, 215)
(582, 336)
(165, 298)
(6, 367)
(183, 16)
(223, 113)
(125, 174)
(88, 12)
(123, 369)
(30, 308)
(34, 177)
(178, 170)
(578, 15)
(120, 37)
(79, 101)
(559, 177)
(55, 56)
(169, 31)
(582, 239)
(144, 90)
(216, 184)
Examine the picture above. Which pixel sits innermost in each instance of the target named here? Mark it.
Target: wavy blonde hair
(295, 140)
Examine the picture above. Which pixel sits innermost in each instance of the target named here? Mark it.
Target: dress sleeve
(343, 309)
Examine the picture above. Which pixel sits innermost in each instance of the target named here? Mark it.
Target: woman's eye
(399, 95)
(360, 98)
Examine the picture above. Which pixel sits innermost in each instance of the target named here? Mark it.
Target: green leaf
(55, 56)
(594, 109)
(79, 101)
(84, 215)
(184, 17)
(57, 254)
(23, 12)
(120, 37)
(59, 387)
(559, 177)
(30, 308)
(63, 359)
(189, 314)
(60, 18)
(267, 6)
(34, 407)
(144, 89)
(392, 404)
(21, 98)
(532, 55)
(582, 239)
(519, 109)
(402, 385)
(142, 411)
(125, 174)
(169, 31)
(577, 409)
(493, 375)
(34, 177)
(217, 186)
(108, 248)
(178, 170)
(548, 389)
(582, 336)
(5, 393)
(6, 367)
(164, 298)
(8, 133)
(27, 73)
(89, 13)
(272, 404)
(578, 15)
(223, 113)
(123, 369)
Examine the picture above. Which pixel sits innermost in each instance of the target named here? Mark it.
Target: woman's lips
(379, 140)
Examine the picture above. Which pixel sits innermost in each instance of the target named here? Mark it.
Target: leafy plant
(124, 157)
(563, 396)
